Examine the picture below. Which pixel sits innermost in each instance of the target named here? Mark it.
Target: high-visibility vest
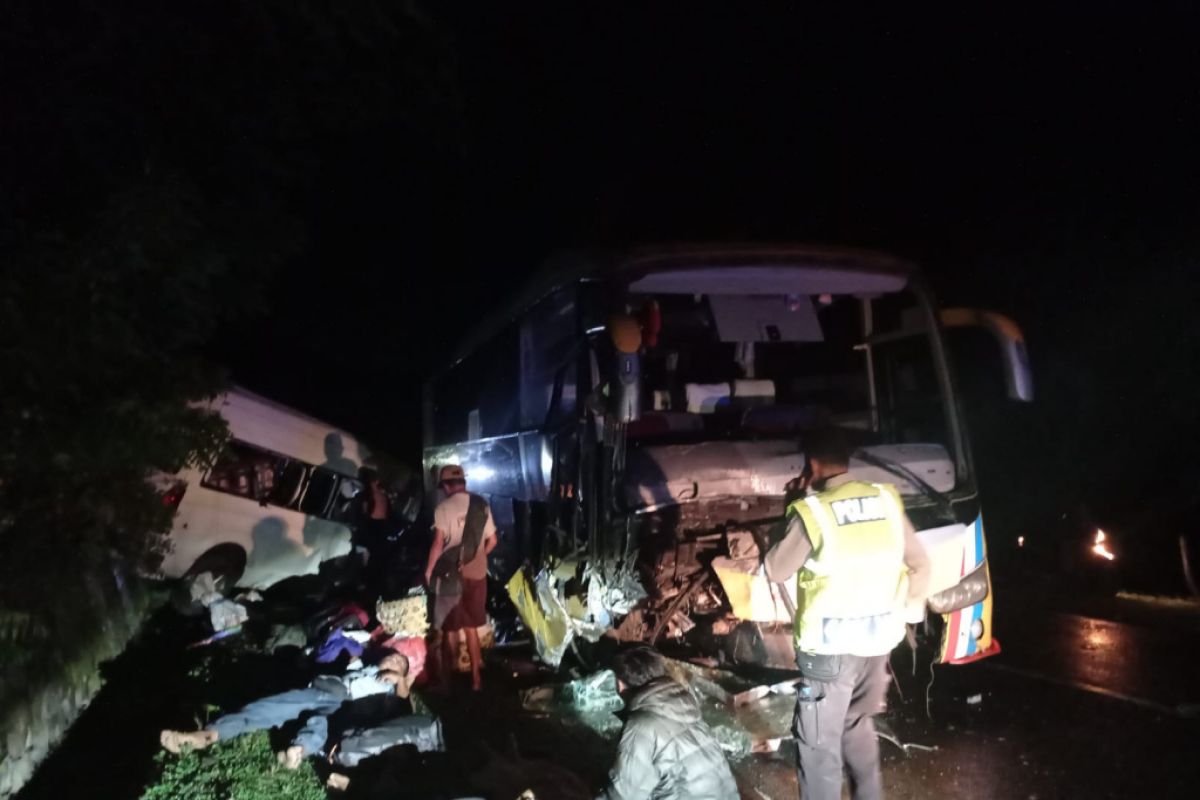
(850, 592)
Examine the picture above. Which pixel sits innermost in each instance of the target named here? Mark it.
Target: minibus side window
(318, 497)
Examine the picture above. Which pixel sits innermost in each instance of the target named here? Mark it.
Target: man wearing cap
(456, 571)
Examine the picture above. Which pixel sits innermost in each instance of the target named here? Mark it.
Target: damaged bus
(636, 420)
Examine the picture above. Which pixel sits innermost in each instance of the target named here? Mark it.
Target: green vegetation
(240, 769)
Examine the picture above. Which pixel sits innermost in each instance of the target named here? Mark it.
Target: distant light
(1100, 548)
(1020, 541)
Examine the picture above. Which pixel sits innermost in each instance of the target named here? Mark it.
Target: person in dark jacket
(666, 751)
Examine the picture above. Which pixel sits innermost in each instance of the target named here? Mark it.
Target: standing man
(861, 574)
(463, 536)
(375, 526)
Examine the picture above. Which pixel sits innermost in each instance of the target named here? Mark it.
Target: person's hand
(797, 488)
(389, 676)
(401, 682)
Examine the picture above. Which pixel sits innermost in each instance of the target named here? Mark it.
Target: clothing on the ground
(336, 644)
(666, 751)
(834, 728)
(788, 555)
(450, 518)
(471, 609)
(322, 698)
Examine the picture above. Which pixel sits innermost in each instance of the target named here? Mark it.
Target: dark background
(402, 165)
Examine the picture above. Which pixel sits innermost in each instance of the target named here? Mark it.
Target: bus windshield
(771, 365)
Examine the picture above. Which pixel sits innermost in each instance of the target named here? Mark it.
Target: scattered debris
(592, 701)
(905, 747)
(974, 699)
(543, 616)
(216, 637)
(286, 636)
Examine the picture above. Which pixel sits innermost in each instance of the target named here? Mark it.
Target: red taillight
(174, 496)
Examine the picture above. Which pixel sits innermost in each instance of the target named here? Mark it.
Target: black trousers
(834, 729)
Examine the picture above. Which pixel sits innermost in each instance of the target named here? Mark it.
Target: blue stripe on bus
(979, 540)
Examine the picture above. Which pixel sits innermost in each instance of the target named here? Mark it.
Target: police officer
(861, 574)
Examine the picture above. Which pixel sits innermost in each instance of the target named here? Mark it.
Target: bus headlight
(967, 592)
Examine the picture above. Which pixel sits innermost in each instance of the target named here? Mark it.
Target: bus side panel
(279, 543)
(260, 422)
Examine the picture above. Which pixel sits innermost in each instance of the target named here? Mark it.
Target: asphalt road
(1074, 706)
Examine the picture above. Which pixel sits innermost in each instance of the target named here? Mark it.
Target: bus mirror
(1018, 378)
(625, 385)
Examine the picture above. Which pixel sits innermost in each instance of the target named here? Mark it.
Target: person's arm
(634, 776)
(919, 570)
(435, 552)
(788, 555)
(401, 683)
(489, 535)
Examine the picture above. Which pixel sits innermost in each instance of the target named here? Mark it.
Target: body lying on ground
(320, 699)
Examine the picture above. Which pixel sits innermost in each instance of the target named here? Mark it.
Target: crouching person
(666, 751)
(324, 695)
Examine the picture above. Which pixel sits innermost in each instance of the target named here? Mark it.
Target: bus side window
(236, 471)
(318, 497)
(548, 341)
(257, 474)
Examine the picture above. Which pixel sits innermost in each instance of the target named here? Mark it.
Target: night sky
(1043, 163)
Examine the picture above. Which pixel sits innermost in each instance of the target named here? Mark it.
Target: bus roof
(570, 267)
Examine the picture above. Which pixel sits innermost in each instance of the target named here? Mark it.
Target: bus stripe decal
(952, 635)
(974, 610)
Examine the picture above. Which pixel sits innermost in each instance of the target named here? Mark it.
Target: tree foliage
(101, 325)
(161, 163)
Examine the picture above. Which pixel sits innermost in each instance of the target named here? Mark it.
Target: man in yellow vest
(860, 574)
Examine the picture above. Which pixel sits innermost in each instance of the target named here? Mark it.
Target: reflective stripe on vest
(850, 591)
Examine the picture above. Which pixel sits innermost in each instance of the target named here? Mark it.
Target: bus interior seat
(706, 398)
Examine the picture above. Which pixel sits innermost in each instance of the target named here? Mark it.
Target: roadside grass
(244, 768)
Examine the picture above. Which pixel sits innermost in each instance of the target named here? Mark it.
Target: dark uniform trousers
(834, 720)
